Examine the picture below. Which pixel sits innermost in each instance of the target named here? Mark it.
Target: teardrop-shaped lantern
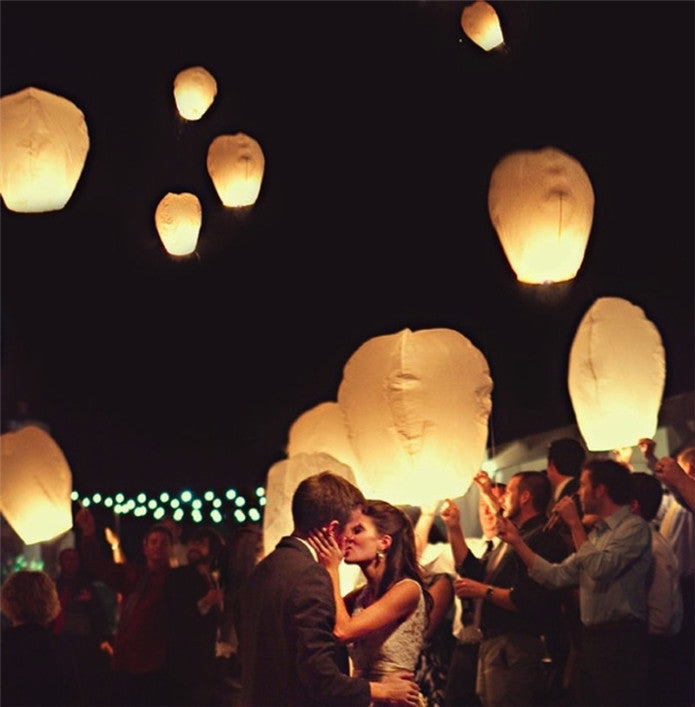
(195, 89)
(236, 164)
(43, 147)
(178, 219)
(416, 405)
(541, 204)
(35, 485)
(616, 375)
(482, 25)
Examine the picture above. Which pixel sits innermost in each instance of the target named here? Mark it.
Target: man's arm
(452, 520)
(670, 472)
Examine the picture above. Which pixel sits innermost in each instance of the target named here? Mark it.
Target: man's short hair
(568, 456)
(537, 484)
(614, 476)
(215, 541)
(648, 492)
(158, 528)
(321, 498)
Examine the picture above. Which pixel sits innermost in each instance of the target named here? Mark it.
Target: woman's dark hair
(401, 561)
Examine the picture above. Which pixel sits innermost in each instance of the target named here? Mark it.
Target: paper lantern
(323, 429)
(482, 25)
(541, 204)
(178, 218)
(616, 375)
(235, 164)
(194, 91)
(36, 484)
(417, 406)
(43, 148)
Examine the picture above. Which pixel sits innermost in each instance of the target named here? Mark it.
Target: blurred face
(198, 550)
(69, 562)
(157, 548)
(587, 493)
(361, 541)
(511, 502)
(486, 515)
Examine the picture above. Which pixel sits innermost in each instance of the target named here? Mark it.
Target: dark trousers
(614, 666)
(460, 682)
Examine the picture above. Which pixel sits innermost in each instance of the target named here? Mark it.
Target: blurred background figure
(85, 624)
(242, 552)
(179, 549)
(35, 668)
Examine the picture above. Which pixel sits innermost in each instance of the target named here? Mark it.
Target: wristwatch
(488, 593)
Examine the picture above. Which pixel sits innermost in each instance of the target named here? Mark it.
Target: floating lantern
(616, 375)
(323, 429)
(416, 405)
(236, 164)
(36, 484)
(194, 91)
(178, 219)
(482, 25)
(43, 148)
(541, 204)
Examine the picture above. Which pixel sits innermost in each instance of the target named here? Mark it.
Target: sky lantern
(323, 428)
(43, 149)
(482, 25)
(35, 485)
(178, 218)
(416, 405)
(541, 204)
(236, 164)
(195, 89)
(616, 375)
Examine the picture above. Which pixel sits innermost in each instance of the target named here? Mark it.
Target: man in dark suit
(286, 615)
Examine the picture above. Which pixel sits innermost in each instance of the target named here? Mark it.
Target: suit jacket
(287, 650)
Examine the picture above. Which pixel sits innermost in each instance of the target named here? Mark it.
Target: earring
(379, 556)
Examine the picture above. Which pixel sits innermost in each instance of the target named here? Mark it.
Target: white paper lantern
(43, 149)
(616, 375)
(35, 485)
(178, 218)
(195, 89)
(417, 406)
(482, 25)
(236, 164)
(323, 429)
(541, 204)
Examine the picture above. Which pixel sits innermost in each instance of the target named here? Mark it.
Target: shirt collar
(311, 549)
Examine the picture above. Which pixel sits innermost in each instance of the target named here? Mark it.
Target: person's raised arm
(451, 516)
(422, 528)
(670, 472)
(484, 483)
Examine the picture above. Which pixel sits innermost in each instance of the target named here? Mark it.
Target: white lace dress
(391, 648)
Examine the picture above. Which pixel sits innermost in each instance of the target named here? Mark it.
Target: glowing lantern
(417, 406)
(43, 148)
(541, 204)
(36, 485)
(235, 164)
(322, 429)
(178, 218)
(482, 25)
(616, 375)
(194, 91)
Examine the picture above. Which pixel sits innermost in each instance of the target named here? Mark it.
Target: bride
(383, 623)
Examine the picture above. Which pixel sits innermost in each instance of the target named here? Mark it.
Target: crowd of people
(578, 592)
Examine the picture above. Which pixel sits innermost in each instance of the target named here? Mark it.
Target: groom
(286, 614)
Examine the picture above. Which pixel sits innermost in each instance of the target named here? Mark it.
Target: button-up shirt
(610, 568)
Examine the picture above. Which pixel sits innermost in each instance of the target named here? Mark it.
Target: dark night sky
(380, 124)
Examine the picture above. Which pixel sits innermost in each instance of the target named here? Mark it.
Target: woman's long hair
(401, 560)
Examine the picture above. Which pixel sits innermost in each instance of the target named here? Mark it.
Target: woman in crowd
(384, 622)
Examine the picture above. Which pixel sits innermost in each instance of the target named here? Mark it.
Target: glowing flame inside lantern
(236, 164)
(178, 219)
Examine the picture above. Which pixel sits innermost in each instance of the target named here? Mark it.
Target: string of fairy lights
(184, 506)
